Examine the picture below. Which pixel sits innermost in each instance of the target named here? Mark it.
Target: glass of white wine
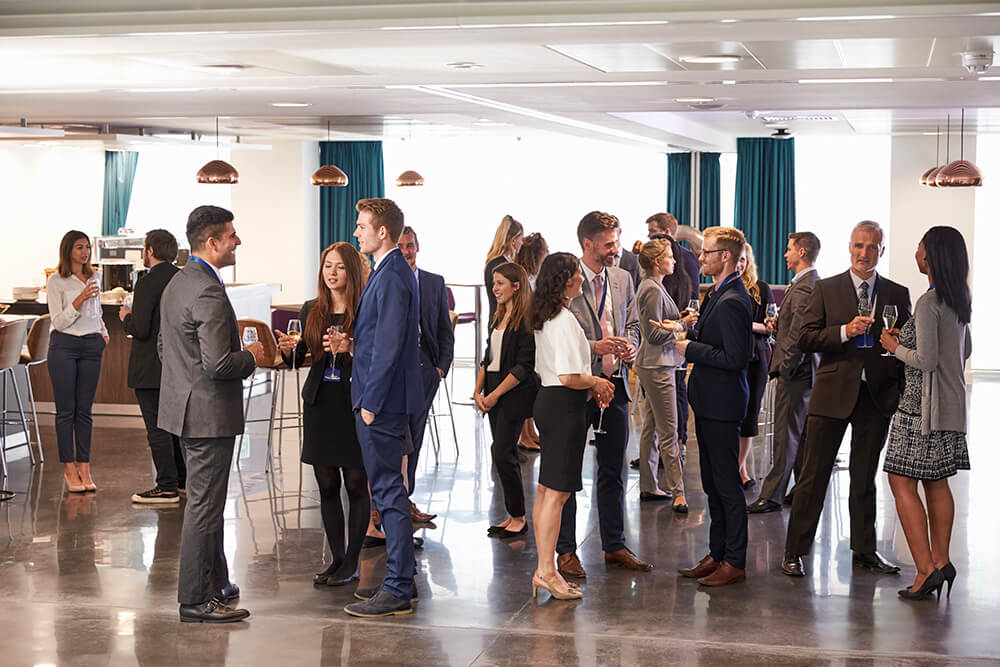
(866, 310)
(680, 333)
(249, 336)
(693, 306)
(295, 333)
(889, 315)
(332, 374)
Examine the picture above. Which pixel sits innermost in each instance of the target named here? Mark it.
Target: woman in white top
(79, 337)
(562, 360)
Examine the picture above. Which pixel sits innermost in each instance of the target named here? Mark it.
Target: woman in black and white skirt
(927, 437)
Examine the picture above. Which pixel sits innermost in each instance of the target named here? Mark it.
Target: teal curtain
(708, 196)
(765, 201)
(679, 187)
(119, 174)
(362, 162)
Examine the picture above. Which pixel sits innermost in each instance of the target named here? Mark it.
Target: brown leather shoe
(724, 574)
(705, 567)
(626, 559)
(569, 566)
(420, 517)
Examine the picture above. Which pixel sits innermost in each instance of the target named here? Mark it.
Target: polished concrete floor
(91, 579)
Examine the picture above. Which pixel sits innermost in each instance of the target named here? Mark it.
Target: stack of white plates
(25, 293)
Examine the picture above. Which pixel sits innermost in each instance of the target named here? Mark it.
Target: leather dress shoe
(763, 506)
(570, 566)
(792, 566)
(341, 581)
(369, 593)
(383, 603)
(875, 563)
(212, 611)
(724, 574)
(420, 517)
(648, 497)
(229, 593)
(627, 560)
(504, 534)
(705, 567)
(371, 541)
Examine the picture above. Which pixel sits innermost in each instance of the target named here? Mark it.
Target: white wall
(985, 311)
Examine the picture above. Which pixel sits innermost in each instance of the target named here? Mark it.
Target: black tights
(345, 560)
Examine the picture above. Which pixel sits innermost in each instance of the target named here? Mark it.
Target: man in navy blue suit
(386, 389)
(437, 348)
(720, 349)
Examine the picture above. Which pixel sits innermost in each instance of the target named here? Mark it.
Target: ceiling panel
(947, 51)
(797, 54)
(434, 58)
(617, 57)
(875, 53)
(676, 51)
(258, 63)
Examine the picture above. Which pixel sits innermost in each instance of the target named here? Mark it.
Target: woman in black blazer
(330, 443)
(506, 388)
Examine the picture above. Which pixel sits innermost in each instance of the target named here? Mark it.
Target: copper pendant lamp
(409, 178)
(329, 175)
(925, 179)
(961, 173)
(218, 171)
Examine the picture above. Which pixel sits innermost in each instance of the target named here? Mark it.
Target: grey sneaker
(156, 496)
(383, 603)
(369, 593)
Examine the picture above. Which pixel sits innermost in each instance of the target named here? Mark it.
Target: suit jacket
(437, 338)
(386, 374)
(833, 303)
(720, 350)
(630, 264)
(689, 262)
(787, 356)
(657, 348)
(624, 320)
(517, 358)
(201, 387)
(143, 324)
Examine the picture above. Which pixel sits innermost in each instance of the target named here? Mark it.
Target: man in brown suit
(854, 385)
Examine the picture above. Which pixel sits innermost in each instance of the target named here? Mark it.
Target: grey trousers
(203, 569)
(791, 403)
(659, 427)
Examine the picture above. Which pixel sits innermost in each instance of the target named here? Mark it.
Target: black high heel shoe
(949, 572)
(933, 583)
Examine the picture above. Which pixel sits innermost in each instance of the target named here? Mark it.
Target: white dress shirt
(65, 318)
(561, 348)
(856, 279)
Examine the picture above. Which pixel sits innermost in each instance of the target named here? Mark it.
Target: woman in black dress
(506, 243)
(330, 442)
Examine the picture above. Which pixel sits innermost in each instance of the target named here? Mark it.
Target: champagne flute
(334, 329)
(771, 312)
(295, 333)
(889, 315)
(249, 336)
(866, 310)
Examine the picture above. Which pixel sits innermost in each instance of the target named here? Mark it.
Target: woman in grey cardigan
(927, 438)
(655, 364)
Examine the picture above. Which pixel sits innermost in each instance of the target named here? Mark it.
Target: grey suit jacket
(787, 356)
(657, 348)
(201, 387)
(623, 314)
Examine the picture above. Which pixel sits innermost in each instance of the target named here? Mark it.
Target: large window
(986, 309)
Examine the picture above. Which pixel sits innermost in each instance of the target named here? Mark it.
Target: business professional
(505, 389)
(507, 241)
(665, 223)
(656, 364)
(437, 348)
(627, 262)
(201, 401)
(386, 391)
(927, 438)
(76, 350)
(854, 386)
(330, 442)
(794, 369)
(719, 347)
(533, 252)
(142, 322)
(563, 363)
(606, 312)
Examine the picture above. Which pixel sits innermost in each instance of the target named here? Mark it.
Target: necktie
(607, 360)
(863, 297)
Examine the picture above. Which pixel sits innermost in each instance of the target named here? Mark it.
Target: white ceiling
(611, 69)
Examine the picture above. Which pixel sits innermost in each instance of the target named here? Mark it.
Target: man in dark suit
(142, 322)
(854, 385)
(201, 400)
(794, 370)
(627, 262)
(606, 312)
(386, 391)
(437, 348)
(665, 223)
(720, 348)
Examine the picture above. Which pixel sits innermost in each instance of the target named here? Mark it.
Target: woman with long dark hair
(506, 244)
(533, 252)
(506, 388)
(927, 438)
(76, 351)
(330, 443)
(562, 360)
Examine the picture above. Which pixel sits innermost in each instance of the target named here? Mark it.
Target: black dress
(759, 362)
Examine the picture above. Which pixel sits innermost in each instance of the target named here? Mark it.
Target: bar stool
(37, 354)
(12, 337)
(432, 418)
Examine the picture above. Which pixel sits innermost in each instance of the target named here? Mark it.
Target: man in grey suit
(794, 369)
(606, 312)
(201, 401)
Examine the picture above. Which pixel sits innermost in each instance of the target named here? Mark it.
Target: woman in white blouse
(562, 361)
(79, 337)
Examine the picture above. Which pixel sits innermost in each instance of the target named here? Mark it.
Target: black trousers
(75, 369)
(681, 387)
(719, 453)
(168, 459)
(869, 428)
(610, 470)
(418, 422)
(791, 402)
(506, 430)
(203, 569)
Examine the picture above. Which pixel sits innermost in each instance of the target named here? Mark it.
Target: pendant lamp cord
(216, 137)
(937, 149)
(947, 151)
(961, 136)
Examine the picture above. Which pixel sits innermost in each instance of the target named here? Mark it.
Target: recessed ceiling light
(464, 64)
(713, 59)
(845, 80)
(873, 17)
(729, 20)
(694, 100)
(291, 105)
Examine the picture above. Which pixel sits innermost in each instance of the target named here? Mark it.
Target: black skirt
(330, 438)
(561, 419)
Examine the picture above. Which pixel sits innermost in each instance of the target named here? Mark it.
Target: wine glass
(334, 329)
(889, 315)
(866, 310)
(772, 310)
(693, 306)
(249, 336)
(295, 333)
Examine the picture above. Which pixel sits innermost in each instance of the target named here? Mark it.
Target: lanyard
(208, 266)
(604, 298)
(732, 276)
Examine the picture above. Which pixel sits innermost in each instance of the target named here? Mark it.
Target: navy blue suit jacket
(438, 339)
(386, 374)
(720, 349)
